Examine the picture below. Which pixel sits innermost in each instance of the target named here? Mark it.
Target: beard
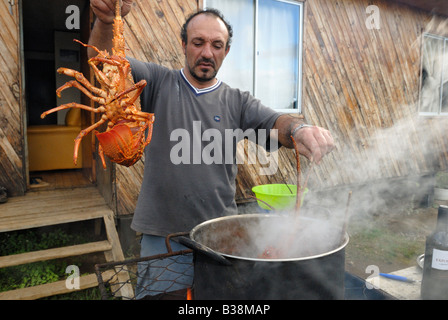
(203, 75)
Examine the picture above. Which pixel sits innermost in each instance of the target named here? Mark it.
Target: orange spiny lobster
(119, 102)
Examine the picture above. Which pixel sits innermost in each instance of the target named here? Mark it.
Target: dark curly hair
(208, 11)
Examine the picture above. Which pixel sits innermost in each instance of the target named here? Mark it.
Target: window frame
(299, 57)
(444, 66)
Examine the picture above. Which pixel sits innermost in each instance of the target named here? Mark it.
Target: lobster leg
(93, 47)
(147, 125)
(73, 105)
(110, 61)
(101, 154)
(80, 78)
(76, 84)
(150, 127)
(99, 75)
(100, 58)
(83, 133)
(138, 88)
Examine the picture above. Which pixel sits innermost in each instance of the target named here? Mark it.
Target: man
(178, 194)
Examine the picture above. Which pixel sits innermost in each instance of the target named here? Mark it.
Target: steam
(395, 162)
(399, 151)
(248, 236)
(384, 167)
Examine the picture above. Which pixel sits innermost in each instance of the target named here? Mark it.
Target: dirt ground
(392, 239)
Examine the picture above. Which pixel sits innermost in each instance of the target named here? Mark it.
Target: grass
(380, 246)
(389, 245)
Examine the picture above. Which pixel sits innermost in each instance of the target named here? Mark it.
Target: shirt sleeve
(150, 72)
(259, 117)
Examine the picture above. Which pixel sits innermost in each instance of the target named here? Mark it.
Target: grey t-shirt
(188, 177)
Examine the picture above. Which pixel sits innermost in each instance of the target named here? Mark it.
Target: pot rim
(263, 215)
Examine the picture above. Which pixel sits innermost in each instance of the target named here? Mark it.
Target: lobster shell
(121, 145)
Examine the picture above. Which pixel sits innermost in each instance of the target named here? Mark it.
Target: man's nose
(207, 51)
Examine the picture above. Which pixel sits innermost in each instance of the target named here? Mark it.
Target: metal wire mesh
(146, 277)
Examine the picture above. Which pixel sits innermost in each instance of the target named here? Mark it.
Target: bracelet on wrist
(300, 126)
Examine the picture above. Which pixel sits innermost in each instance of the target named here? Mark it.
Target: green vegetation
(442, 180)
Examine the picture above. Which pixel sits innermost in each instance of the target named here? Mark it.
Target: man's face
(205, 49)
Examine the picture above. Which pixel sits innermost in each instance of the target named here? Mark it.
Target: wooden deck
(41, 208)
(49, 207)
(58, 179)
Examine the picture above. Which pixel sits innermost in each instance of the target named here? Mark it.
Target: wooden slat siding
(409, 61)
(12, 172)
(323, 60)
(439, 7)
(358, 81)
(318, 53)
(128, 182)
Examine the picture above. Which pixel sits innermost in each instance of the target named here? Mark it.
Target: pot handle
(196, 246)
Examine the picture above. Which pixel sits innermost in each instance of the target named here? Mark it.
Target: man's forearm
(285, 125)
(312, 141)
(100, 37)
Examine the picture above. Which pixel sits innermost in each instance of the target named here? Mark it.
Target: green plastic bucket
(278, 196)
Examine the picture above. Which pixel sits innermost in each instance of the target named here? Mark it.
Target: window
(434, 76)
(266, 53)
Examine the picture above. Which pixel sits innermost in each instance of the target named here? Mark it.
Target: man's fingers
(126, 7)
(105, 9)
(325, 143)
(314, 142)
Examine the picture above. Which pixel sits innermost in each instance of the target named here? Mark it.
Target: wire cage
(145, 278)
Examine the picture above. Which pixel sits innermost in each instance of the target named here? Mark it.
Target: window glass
(265, 56)
(277, 54)
(444, 93)
(434, 76)
(238, 67)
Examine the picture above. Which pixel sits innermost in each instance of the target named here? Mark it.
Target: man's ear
(227, 50)
(184, 47)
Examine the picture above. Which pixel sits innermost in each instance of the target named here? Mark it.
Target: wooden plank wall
(362, 84)
(12, 171)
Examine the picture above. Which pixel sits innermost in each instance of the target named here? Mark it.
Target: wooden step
(56, 253)
(54, 288)
(38, 209)
(51, 207)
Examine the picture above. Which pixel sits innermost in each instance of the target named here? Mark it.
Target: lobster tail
(121, 145)
(118, 40)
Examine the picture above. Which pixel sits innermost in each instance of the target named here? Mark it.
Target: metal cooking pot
(227, 263)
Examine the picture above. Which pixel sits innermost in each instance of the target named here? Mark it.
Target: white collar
(200, 91)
